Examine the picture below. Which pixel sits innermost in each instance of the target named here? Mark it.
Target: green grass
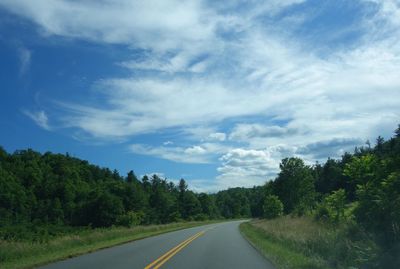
(293, 242)
(26, 254)
(279, 254)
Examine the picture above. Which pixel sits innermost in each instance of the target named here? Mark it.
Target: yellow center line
(168, 255)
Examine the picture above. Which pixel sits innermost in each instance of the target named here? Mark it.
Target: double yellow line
(164, 258)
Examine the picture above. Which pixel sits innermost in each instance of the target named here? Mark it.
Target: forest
(48, 193)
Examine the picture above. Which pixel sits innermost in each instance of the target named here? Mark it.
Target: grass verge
(280, 255)
(299, 243)
(22, 254)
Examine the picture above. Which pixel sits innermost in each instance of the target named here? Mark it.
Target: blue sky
(214, 92)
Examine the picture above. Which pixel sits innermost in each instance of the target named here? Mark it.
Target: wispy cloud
(177, 154)
(39, 117)
(217, 136)
(254, 79)
(202, 153)
(24, 56)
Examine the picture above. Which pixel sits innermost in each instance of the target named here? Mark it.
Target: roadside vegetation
(341, 214)
(301, 242)
(346, 212)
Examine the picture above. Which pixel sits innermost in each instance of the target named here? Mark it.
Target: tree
(397, 132)
(191, 205)
(256, 199)
(131, 177)
(332, 207)
(295, 186)
(103, 210)
(182, 186)
(272, 207)
(378, 194)
(208, 206)
(329, 177)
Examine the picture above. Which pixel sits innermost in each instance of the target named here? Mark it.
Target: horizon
(213, 93)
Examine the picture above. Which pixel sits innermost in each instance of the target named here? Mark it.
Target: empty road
(210, 246)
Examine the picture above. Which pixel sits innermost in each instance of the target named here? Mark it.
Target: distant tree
(146, 184)
(397, 132)
(131, 177)
(272, 207)
(329, 177)
(3, 154)
(208, 205)
(103, 209)
(191, 205)
(182, 186)
(379, 145)
(256, 198)
(14, 204)
(234, 203)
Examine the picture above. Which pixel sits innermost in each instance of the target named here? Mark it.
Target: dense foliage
(273, 207)
(62, 191)
(59, 190)
(360, 191)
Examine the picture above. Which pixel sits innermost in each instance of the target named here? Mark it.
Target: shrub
(332, 208)
(272, 207)
(130, 219)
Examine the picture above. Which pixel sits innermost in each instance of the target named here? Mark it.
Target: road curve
(210, 246)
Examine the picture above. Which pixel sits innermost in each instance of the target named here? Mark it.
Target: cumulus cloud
(39, 117)
(246, 167)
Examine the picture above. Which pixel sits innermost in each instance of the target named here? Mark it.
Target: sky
(215, 92)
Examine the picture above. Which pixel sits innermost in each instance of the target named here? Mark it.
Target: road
(211, 246)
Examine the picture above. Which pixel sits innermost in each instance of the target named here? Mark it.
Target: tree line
(58, 189)
(64, 191)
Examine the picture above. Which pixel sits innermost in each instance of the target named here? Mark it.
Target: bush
(272, 207)
(130, 219)
(332, 208)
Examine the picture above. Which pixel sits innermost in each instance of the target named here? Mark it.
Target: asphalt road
(210, 246)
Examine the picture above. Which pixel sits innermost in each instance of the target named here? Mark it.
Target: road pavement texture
(210, 246)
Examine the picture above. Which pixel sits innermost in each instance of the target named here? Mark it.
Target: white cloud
(217, 136)
(39, 117)
(146, 105)
(245, 132)
(202, 153)
(244, 167)
(195, 150)
(180, 62)
(24, 56)
(176, 154)
(149, 24)
(214, 63)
